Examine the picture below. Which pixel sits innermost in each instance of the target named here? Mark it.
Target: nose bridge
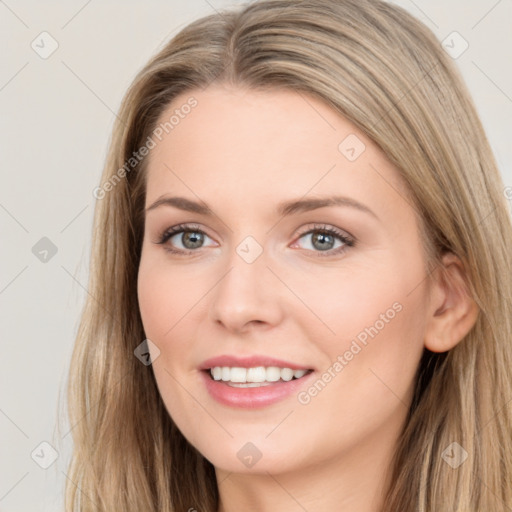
(245, 293)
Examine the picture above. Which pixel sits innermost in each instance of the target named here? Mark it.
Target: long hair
(385, 72)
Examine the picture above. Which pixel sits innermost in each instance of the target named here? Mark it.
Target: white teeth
(287, 374)
(273, 373)
(259, 374)
(248, 384)
(238, 374)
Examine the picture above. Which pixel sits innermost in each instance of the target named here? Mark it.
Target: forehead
(252, 146)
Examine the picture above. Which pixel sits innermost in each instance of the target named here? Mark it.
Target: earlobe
(453, 312)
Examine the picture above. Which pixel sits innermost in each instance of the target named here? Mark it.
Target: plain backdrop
(57, 113)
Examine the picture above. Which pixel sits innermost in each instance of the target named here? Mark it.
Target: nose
(247, 295)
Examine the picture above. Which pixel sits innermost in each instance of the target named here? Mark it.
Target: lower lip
(252, 398)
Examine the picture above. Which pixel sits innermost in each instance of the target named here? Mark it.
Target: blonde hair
(385, 72)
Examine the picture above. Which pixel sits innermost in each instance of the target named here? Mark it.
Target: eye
(190, 237)
(323, 238)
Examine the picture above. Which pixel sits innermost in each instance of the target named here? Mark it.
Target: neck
(356, 480)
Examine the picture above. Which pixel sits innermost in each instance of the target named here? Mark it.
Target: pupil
(195, 239)
(321, 237)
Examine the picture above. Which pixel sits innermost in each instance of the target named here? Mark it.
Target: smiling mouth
(254, 377)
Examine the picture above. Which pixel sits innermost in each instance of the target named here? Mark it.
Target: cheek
(365, 387)
(165, 294)
(371, 299)
(165, 297)
(377, 321)
(155, 300)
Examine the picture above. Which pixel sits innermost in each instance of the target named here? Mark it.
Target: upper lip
(249, 362)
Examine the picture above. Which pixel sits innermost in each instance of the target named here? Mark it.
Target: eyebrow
(283, 209)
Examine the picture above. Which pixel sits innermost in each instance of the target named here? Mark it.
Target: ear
(452, 311)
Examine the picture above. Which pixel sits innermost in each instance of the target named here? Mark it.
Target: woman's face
(256, 281)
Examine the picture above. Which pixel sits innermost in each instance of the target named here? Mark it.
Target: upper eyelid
(315, 226)
(319, 227)
(182, 228)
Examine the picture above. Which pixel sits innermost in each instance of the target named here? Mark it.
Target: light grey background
(56, 117)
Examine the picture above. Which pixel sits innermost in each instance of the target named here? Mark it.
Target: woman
(300, 293)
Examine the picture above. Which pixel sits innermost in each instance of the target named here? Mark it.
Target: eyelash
(190, 228)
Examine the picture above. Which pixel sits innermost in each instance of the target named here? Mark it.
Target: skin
(242, 152)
